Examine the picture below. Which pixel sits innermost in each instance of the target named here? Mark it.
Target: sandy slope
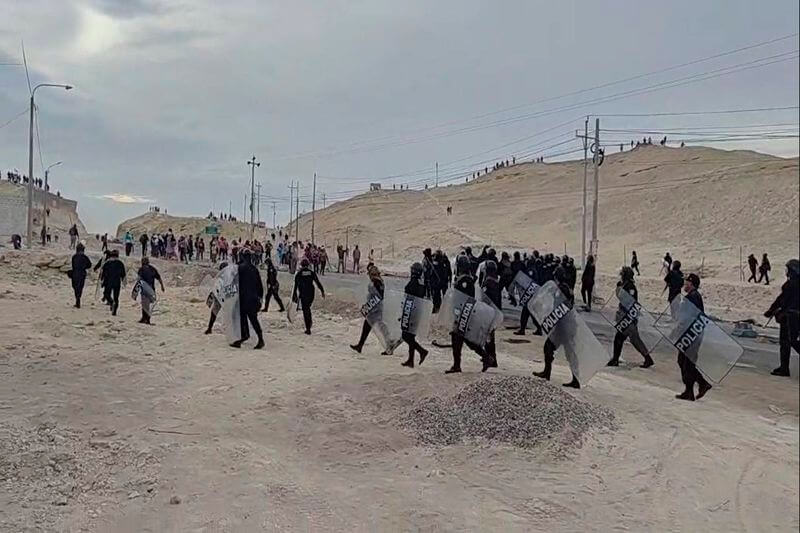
(699, 203)
(159, 222)
(302, 435)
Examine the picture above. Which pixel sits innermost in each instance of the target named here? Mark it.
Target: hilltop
(699, 203)
(159, 222)
(14, 207)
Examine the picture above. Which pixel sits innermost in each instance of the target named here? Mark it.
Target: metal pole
(585, 167)
(258, 203)
(596, 184)
(313, 206)
(253, 164)
(291, 202)
(30, 179)
(273, 215)
(297, 213)
(437, 174)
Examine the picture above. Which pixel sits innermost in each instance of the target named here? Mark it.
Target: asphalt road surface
(758, 356)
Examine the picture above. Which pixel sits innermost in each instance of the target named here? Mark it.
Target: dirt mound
(160, 223)
(516, 410)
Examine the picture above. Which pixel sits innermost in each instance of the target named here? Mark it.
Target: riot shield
(411, 313)
(469, 317)
(525, 288)
(206, 291)
(145, 294)
(226, 291)
(567, 330)
(385, 321)
(630, 318)
(692, 332)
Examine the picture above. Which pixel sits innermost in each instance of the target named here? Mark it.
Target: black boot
(545, 373)
(575, 384)
(422, 355)
(613, 362)
(688, 394)
(648, 362)
(356, 347)
(259, 344)
(780, 371)
(77, 303)
(237, 344)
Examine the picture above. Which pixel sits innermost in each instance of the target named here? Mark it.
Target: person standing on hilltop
(752, 262)
(786, 310)
(763, 269)
(80, 264)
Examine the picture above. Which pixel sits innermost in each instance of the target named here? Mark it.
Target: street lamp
(44, 201)
(30, 159)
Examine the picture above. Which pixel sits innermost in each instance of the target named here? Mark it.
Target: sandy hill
(159, 222)
(14, 209)
(701, 204)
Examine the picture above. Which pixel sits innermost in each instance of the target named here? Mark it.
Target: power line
(685, 113)
(12, 119)
(558, 97)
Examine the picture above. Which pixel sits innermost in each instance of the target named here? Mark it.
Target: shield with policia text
(630, 318)
(567, 330)
(469, 317)
(525, 288)
(706, 344)
(226, 291)
(385, 322)
(206, 291)
(412, 314)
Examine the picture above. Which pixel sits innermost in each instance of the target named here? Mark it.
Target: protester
(113, 274)
(148, 274)
(587, 282)
(128, 241)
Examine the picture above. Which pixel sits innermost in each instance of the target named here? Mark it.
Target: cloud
(125, 198)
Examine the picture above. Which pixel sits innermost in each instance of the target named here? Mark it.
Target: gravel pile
(516, 410)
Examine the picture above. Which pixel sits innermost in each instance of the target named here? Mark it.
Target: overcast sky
(173, 97)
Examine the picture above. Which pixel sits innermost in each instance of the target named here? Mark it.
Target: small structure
(374, 187)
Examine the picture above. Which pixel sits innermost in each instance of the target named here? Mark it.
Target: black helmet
(793, 268)
(492, 252)
(426, 252)
(676, 265)
(491, 269)
(80, 248)
(463, 265)
(438, 253)
(468, 250)
(626, 273)
(304, 263)
(416, 270)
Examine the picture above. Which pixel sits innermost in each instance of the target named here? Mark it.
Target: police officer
(414, 287)
(377, 282)
(689, 373)
(251, 290)
(492, 288)
(213, 315)
(534, 273)
(673, 280)
(465, 283)
(304, 282)
(112, 273)
(786, 310)
(627, 284)
(550, 347)
(80, 264)
(441, 267)
(272, 285)
(431, 279)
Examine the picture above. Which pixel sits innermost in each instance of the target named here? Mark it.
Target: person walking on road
(304, 282)
(357, 261)
(764, 269)
(80, 264)
(786, 311)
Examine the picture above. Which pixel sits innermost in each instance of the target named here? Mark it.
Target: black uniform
(752, 262)
(632, 331)
(786, 310)
(689, 373)
(80, 264)
(465, 284)
(432, 282)
(674, 281)
(365, 327)
(441, 268)
(414, 287)
(525, 315)
(550, 347)
(304, 282)
(113, 273)
(251, 290)
(272, 286)
(492, 288)
(587, 284)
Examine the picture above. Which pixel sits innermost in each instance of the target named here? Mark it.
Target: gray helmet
(416, 270)
(559, 274)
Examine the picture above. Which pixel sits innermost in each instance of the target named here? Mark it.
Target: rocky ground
(109, 425)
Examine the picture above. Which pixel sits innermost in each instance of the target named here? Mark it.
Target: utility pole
(253, 166)
(291, 202)
(437, 174)
(258, 203)
(273, 215)
(585, 138)
(230, 208)
(597, 162)
(323, 200)
(313, 206)
(244, 208)
(297, 213)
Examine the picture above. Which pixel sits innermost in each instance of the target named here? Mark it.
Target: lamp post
(30, 159)
(44, 201)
